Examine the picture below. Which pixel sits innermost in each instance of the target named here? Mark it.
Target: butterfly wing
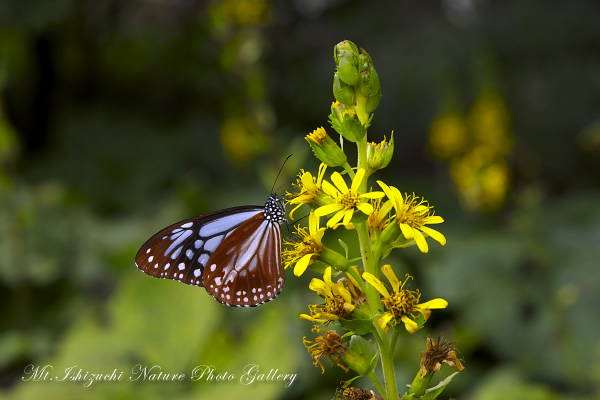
(181, 251)
(246, 269)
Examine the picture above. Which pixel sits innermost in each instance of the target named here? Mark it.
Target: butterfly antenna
(293, 224)
(279, 173)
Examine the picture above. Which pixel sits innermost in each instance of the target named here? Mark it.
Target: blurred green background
(118, 118)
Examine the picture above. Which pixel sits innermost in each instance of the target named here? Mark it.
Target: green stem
(387, 362)
(349, 170)
(371, 264)
(376, 382)
(395, 336)
(361, 228)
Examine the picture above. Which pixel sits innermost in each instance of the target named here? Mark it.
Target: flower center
(349, 200)
(309, 246)
(335, 306)
(414, 211)
(401, 303)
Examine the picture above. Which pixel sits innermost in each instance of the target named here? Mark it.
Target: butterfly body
(234, 253)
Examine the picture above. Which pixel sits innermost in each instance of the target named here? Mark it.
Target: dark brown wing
(246, 269)
(180, 251)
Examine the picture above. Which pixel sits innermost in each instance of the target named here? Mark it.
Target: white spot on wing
(188, 225)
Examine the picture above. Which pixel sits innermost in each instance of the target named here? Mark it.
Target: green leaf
(435, 391)
(358, 326)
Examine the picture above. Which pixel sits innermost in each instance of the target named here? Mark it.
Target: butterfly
(235, 254)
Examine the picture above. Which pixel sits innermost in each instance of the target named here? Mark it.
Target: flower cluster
(354, 297)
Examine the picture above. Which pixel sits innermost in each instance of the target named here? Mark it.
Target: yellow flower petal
(384, 320)
(313, 223)
(366, 208)
(389, 273)
(394, 195)
(337, 179)
(386, 208)
(357, 180)
(407, 231)
(386, 189)
(327, 209)
(321, 174)
(330, 189)
(435, 304)
(410, 325)
(336, 218)
(434, 219)
(327, 276)
(376, 283)
(398, 196)
(340, 290)
(421, 242)
(435, 235)
(328, 316)
(348, 216)
(311, 318)
(307, 179)
(372, 195)
(317, 285)
(302, 264)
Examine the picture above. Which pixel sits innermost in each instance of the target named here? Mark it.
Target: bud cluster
(357, 92)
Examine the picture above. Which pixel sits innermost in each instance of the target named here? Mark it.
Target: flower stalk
(373, 310)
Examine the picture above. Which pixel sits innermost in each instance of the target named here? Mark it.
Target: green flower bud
(390, 233)
(379, 155)
(420, 383)
(345, 55)
(357, 362)
(369, 82)
(335, 259)
(336, 116)
(343, 92)
(352, 129)
(325, 149)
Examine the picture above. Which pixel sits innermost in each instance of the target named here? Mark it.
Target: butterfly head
(275, 209)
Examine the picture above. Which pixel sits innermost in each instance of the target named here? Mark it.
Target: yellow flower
(309, 188)
(401, 305)
(412, 214)
(338, 300)
(303, 252)
(346, 201)
(378, 219)
(325, 148)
